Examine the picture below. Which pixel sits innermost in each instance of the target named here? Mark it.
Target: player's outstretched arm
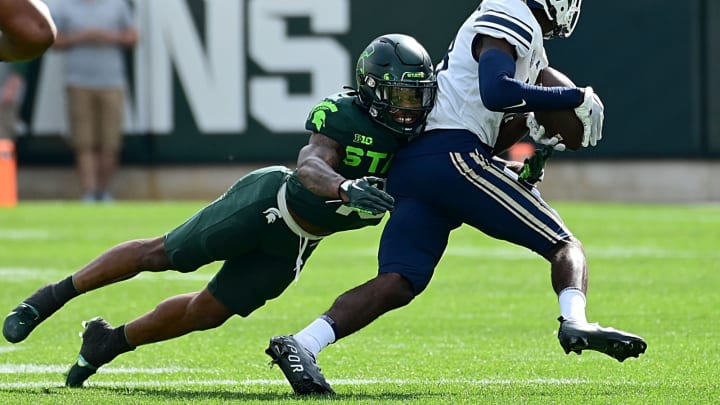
(27, 29)
(316, 171)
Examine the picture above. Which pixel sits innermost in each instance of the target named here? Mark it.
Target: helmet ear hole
(562, 13)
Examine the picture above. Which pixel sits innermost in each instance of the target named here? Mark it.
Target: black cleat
(576, 337)
(20, 322)
(298, 365)
(94, 342)
(79, 372)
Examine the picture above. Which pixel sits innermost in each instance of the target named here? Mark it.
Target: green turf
(483, 332)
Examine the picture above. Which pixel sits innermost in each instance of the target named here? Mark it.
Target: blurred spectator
(26, 29)
(93, 35)
(12, 84)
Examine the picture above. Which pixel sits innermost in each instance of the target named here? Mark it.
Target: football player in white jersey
(447, 176)
(26, 29)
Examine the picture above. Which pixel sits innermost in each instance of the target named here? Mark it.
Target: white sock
(316, 336)
(572, 304)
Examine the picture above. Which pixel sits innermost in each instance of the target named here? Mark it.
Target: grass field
(484, 331)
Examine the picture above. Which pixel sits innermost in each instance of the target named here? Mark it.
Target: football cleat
(79, 372)
(20, 322)
(94, 343)
(576, 337)
(298, 365)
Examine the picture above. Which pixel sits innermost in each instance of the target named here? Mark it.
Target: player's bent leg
(361, 305)
(177, 316)
(298, 365)
(568, 265)
(120, 262)
(569, 271)
(174, 317)
(578, 336)
(523, 218)
(350, 312)
(356, 308)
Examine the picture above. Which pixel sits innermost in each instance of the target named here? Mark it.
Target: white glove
(591, 113)
(537, 133)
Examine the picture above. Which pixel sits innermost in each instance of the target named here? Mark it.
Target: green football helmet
(396, 83)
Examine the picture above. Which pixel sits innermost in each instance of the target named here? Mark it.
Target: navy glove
(365, 195)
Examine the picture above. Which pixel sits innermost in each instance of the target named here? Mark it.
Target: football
(512, 129)
(563, 122)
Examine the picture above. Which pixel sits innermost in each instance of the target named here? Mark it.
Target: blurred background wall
(221, 86)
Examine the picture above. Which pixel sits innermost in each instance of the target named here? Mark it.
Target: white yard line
(261, 382)
(56, 368)
(39, 369)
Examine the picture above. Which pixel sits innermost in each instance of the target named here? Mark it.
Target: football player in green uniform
(267, 224)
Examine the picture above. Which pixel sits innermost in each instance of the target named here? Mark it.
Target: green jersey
(369, 148)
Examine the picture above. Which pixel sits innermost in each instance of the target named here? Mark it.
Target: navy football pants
(446, 178)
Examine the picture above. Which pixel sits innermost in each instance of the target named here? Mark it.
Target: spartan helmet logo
(271, 214)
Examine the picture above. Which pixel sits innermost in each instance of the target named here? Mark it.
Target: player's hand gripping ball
(562, 123)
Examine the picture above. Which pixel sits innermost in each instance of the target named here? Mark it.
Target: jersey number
(379, 162)
(346, 210)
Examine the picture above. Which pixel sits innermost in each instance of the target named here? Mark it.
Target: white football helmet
(563, 13)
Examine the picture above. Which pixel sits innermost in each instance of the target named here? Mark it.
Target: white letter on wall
(326, 60)
(213, 78)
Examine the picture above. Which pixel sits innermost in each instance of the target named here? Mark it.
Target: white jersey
(458, 104)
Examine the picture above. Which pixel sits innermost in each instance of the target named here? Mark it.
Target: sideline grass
(484, 331)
